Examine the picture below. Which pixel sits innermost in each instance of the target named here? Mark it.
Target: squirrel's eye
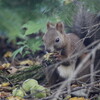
(57, 40)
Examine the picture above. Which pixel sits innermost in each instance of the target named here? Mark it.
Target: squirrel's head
(54, 37)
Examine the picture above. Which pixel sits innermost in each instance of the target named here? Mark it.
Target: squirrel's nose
(48, 50)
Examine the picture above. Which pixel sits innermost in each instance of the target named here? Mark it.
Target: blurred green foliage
(34, 14)
(27, 46)
(10, 23)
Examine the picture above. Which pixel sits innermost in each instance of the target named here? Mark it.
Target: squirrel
(56, 39)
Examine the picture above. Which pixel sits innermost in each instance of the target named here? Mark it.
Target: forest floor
(15, 72)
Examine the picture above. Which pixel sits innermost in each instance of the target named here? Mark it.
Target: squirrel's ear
(49, 25)
(60, 27)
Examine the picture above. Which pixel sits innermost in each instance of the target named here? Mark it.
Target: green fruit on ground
(28, 84)
(23, 90)
(18, 92)
(38, 91)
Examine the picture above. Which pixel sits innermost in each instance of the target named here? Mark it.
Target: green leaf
(26, 53)
(18, 51)
(21, 43)
(34, 44)
(35, 26)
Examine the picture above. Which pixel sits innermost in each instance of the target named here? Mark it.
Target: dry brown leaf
(6, 65)
(78, 98)
(8, 54)
(1, 67)
(12, 70)
(14, 98)
(74, 85)
(29, 62)
(37, 63)
(5, 84)
(67, 97)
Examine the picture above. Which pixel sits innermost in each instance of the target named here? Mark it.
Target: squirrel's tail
(86, 25)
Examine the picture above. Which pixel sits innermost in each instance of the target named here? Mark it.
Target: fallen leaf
(29, 62)
(8, 54)
(5, 84)
(1, 67)
(14, 98)
(37, 63)
(74, 85)
(67, 97)
(78, 98)
(6, 65)
(12, 70)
